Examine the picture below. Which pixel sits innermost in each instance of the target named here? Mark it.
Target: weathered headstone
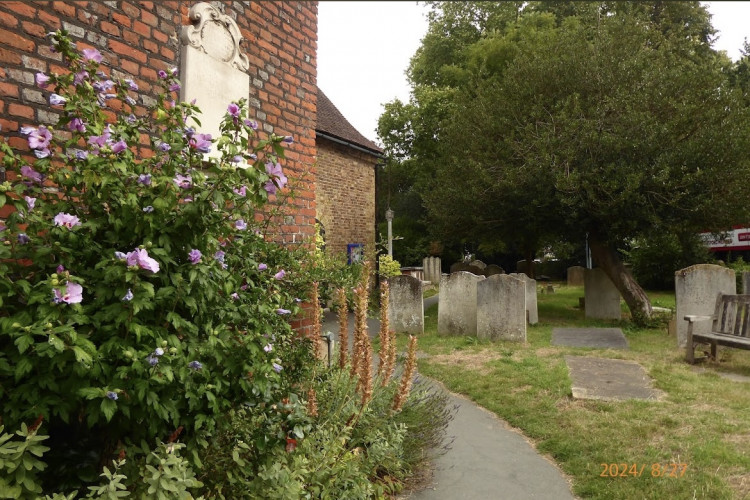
(459, 266)
(213, 68)
(405, 304)
(501, 308)
(493, 269)
(522, 267)
(746, 282)
(531, 303)
(457, 304)
(478, 263)
(696, 288)
(432, 271)
(602, 299)
(575, 275)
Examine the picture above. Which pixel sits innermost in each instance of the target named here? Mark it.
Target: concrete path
(487, 459)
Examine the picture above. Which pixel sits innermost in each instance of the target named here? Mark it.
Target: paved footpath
(487, 459)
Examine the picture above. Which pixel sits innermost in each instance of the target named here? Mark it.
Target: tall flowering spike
(316, 329)
(312, 402)
(385, 327)
(362, 356)
(365, 374)
(390, 366)
(343, 313)
(406, 379)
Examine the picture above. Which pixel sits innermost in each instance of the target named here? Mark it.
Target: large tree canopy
(562, 120)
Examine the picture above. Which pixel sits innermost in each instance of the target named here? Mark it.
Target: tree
(609, 120)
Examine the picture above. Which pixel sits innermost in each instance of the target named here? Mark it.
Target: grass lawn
(702, 423)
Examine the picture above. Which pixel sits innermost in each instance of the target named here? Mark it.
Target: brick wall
(139, 38)
(345, 194)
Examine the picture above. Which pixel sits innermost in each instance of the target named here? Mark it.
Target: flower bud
(164, 343)
(16, 325)
(172, 350)
(54, 282)
(128, 354)
(48, 326)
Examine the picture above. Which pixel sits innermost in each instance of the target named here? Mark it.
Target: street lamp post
(389, 218)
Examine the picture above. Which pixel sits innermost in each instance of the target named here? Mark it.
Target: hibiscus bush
(137, 299)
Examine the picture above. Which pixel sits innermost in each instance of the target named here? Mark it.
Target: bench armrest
(693, 318)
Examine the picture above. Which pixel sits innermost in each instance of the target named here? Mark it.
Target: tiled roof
(332, 123)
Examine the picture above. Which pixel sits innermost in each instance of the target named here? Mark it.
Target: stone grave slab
(600, 338)
(610, 379)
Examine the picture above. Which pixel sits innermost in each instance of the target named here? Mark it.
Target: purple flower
(38, 138)
(162, 74)
(148, 209)
(23, 238)
(242, 191)
(92, 55)
(81, 155)
(152, 360)
(268, 348)
(280, 275)
(175, 87)
(42, 80)
(76, 124)
(183, 181)
(164, 146)
(72, 293)
(233, 110)
(57, 100)
(189, 132)
(288, 139)
(262, 267)
(131, 84)
(128, 296)
(144, 179)
(120, 256)
(277, 367)
(282, 312)
(235, 296)
(252, 124)
(31, 174)
(130, 100)
(237, 159)
(297, 300)
(41, 153)
(201, 143)
(119, 147)
(159, 351)
(219, 255)
(80, 77)
(240, 224)
(66, 220)
(194, 256)
(270, 187)
(60, 269)
(99, 141)
(30, 202)
(112, 395)
(173, 71)
(139, 257)
(277, 175)
(103, 86)
(195, 365)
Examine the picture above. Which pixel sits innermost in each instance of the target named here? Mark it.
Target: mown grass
(703, 421)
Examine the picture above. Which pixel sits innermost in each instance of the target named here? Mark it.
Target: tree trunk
(636, 299)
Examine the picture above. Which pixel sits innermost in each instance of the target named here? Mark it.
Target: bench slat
(725, 340)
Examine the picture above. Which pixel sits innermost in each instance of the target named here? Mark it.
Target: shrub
(656, 258)
(388, 267)
(136, 296)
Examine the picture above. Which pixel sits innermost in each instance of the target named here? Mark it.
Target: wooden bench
(730, 327)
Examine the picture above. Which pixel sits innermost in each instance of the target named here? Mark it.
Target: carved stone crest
(216, 34)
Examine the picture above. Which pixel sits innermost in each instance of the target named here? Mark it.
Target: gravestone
(432, 271)
(522, 267)
(610, 380)
(493, 269)
(213, 69)
(601, 297)
(531, 304)
(600, 338)
(501, 308)
(478, 263)
(746, 282)
(696, 288)
(575, 275)
(405, 304)
(457, 304)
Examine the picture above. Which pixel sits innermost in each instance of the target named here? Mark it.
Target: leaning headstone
(457, 304)
(531, 304)
(601, 297)
(522, 267)
(493, 269)
(405, 304)
(213, 68)
(478, 263)
(459, 266)
(501, 308)
(696, 288)
(431, 266)
(575, 275)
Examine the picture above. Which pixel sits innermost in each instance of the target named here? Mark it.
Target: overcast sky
(364, 49)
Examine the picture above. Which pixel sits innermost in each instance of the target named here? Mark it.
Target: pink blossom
(139, 257)
(41, 79)
(183, 181)
(72, 293)
(280, 275)
(66, 220)
(92, 55)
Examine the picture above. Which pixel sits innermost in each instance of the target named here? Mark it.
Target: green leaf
(108, 408)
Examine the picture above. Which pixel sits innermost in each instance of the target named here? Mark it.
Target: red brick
(129, 66)
(131, 37)
(147, 5)
(150, 46)
(128, 51)
(21, 9)
(64, 8)
(8, 125)
(9, 21)
(16, 109)
(121, 19)
(16, 41)
(141, 28)
(131, 10)
(9, 56)
(49, 20)
(110, 28)
(160, 36)
(149, 18)
(167, 53)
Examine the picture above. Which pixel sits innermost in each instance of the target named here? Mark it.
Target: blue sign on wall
(355, 253)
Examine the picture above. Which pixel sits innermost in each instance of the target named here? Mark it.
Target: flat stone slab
(600, 338)
(610, 379)
(734, 377)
